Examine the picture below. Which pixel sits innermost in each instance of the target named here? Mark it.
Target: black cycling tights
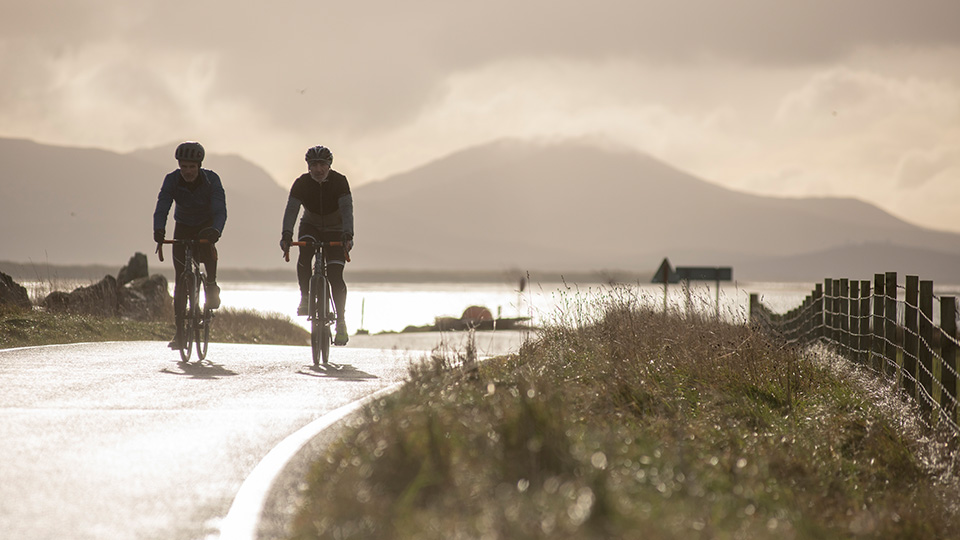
(338, 288)
(206, 253)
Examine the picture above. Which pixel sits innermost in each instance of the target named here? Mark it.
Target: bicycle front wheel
(325, 335)
(319, 331)
(203, 320)
(187, 286)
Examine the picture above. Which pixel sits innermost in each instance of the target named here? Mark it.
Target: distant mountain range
(505, 206)
(86, 206)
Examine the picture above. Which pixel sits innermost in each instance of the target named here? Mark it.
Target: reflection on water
(379, 307)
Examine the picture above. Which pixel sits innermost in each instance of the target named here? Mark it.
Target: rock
(146, 299)
(474, 316)
(56, 301)
(13, 294)
(136, 268)
(133, 294)
(100, 299)
(447, 323)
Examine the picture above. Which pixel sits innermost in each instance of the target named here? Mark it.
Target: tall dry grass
(29, 327)
(621, 422)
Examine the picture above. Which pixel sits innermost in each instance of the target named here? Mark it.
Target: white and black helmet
(319, 153)
(189, 151)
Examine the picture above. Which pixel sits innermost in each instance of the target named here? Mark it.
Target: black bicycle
(321, 311)
(197, 317)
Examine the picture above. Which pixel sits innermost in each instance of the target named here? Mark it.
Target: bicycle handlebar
(178, 241)
(286, 254)
(301, 243)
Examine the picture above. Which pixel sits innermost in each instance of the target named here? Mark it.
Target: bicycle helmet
(319, 153)
(189, 151)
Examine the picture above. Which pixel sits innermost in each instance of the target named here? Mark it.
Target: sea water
(392, 307)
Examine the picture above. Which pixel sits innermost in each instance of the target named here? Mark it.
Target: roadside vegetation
(28, 327)
(620, 422)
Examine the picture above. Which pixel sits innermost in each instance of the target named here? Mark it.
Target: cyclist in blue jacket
(200, 213)
(327, 216)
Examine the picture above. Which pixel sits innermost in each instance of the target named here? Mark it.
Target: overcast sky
(788, 97)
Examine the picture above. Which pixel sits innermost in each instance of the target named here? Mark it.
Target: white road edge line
(243, 517)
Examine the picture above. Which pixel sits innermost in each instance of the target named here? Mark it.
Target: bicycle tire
(325, 336)
(186, 345)
(316, 320)
(203, 320)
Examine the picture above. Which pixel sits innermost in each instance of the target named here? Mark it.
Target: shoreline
(94, 272)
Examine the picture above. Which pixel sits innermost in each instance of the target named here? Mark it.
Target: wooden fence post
(948, 352)
(925, 390)
(890, 325)
(828, 310)
(866, 343)
(818, 311)
(855, 321)
(843, 298)
(908, 378)
(878, 326)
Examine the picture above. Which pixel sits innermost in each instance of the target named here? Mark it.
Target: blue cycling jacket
(196, 204)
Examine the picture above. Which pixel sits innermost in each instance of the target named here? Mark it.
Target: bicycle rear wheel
(186, 344)
(203, 320)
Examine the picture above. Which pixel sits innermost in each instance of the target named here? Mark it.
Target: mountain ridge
(508, 204)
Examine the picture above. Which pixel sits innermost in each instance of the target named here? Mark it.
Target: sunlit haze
(816, 97)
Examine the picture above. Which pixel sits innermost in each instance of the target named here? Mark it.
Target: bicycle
(321, 311)
(197, 317)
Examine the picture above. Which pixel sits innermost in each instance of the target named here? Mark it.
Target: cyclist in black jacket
(201, 212)
(327, 216)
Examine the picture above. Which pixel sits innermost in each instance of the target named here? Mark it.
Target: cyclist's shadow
(336, 371)
(204, 369)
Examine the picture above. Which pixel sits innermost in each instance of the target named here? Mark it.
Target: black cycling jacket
(327, 205)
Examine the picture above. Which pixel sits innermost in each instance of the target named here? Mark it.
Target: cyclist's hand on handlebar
(285, 239)
(210, 235)
(347, 240)
(158, 235)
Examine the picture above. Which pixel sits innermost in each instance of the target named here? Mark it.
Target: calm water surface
(379, 307)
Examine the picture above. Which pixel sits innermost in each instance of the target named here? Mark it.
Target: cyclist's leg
(305, 265)
(208, 255)
(338, 290)
(338, 287)
(179, 294)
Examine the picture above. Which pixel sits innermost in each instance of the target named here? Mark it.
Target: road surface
(121, 440)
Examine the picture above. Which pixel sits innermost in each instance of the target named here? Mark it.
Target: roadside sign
(665, 274)
(704, 273)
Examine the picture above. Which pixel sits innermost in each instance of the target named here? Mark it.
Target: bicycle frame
(196, 316)
(322, 312)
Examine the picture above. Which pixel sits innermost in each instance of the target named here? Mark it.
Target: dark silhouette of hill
(86, 206)
(575, 207)
(859, 262)
(507, 205)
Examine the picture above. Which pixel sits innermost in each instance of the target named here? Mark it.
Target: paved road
(121, 440)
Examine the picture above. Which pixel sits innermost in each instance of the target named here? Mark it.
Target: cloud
(794, 97)
(919, 167)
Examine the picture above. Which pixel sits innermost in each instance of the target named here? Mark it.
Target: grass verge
(630, 424)
(22, 328)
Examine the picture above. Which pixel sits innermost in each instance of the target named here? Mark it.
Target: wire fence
(892, 329)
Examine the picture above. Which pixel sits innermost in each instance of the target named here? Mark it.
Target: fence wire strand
(856, 326)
